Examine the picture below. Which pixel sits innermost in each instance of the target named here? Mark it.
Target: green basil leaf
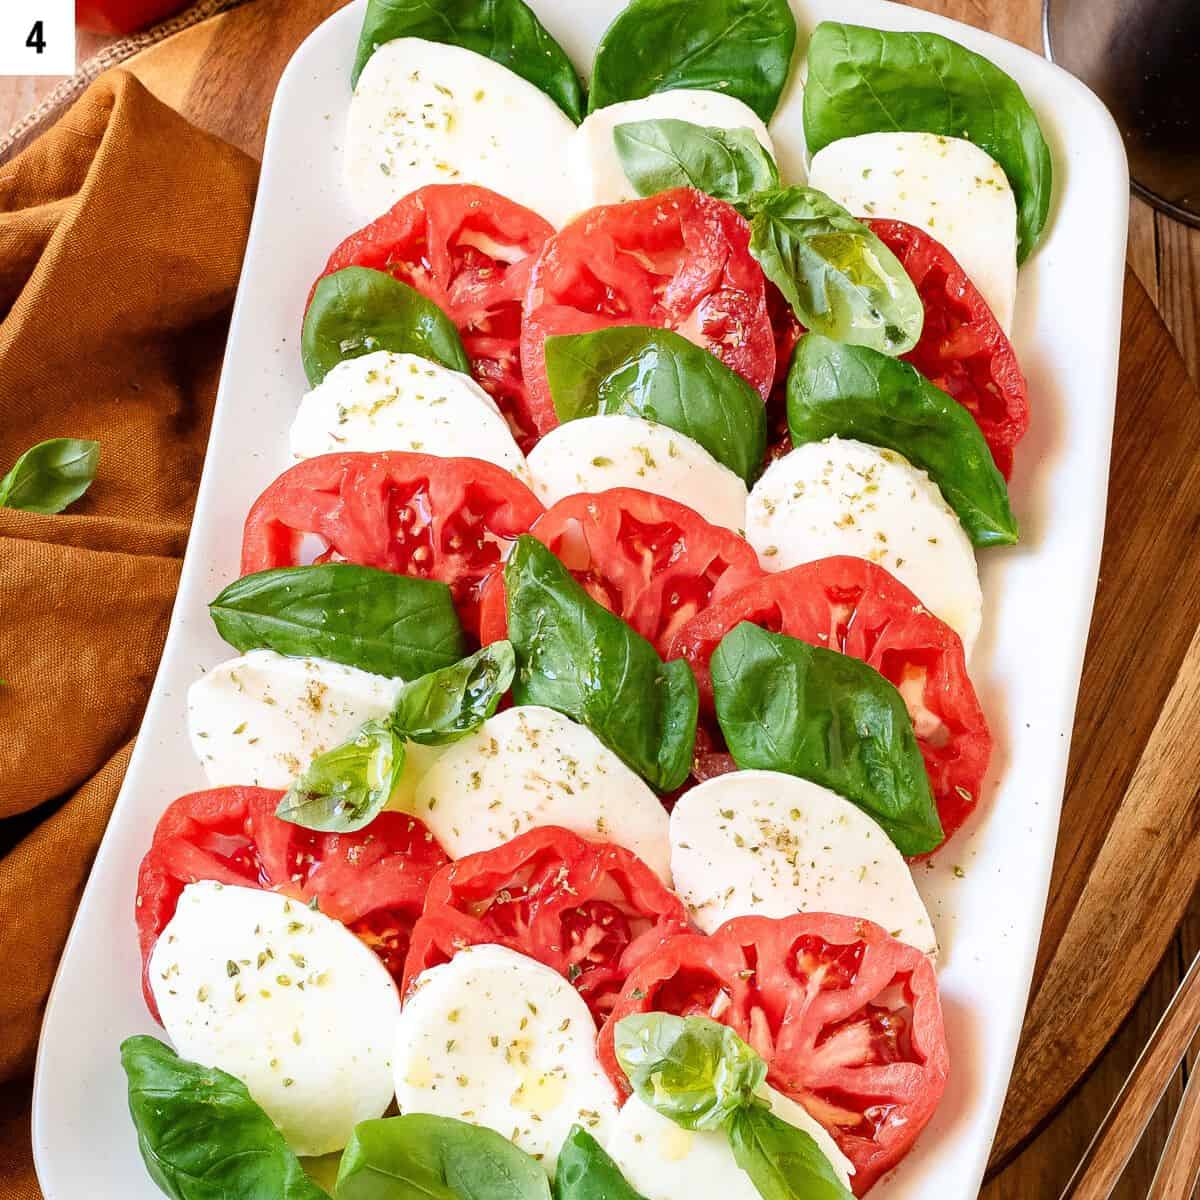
(783, 1162)
(586, 1172)
(506, 31)
(784, 705)
(50, 475)
(840, 279)
(200, 1133)
(358, 616)
(422, 1157)
(695, 1071)
(356, 311)
(661, 376)
(344, 789)
(870, 80)
(575, 656)
(446, 705)
(658, 155)
(740, 47)
(855, 392)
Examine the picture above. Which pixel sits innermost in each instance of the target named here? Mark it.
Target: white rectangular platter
(986, 892)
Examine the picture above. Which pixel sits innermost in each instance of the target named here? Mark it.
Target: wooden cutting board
(1129, 848)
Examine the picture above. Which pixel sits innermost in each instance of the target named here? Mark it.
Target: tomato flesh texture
(679, 260)
(591, 911)
(857, 608)
(373, 881)
(653, 562)
(962, 348)
(787, 331)
(450, 519)
(847, 1018)
(469, 250)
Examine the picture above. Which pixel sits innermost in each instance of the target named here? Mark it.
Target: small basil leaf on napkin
(730, 164)
(740, 47)
(856, 392)
(344, 789)
(695, 1071)
(197, 1125)
(356, 311)
(575, 656)
(784, 705)
(864, 80)
(506, 31)
(584, 1171)
(436, 1158)
(840, 279)
(50, 475)
(358, 616)
(661, 376)
(783, 1162)
(446, 705)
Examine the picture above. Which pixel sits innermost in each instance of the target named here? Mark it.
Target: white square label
(37, 37)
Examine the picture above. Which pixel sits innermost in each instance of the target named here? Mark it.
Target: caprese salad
(602, 658)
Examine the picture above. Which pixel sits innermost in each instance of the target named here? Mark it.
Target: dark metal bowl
(1142, 58)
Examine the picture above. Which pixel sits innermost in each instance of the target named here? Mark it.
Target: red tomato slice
(679, 260)
(847, 1018)
(373, 881)
(469, 250)
(962, 348)
(414, 514)
(858, 608)
(653, 562)
(788, 331)
(123, 16)
(592, 911)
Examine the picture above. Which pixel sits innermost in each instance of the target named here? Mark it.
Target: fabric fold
(122, 232)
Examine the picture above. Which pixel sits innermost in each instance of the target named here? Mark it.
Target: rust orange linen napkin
(121, 238)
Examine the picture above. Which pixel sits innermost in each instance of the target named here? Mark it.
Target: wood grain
(1179, 286)
(1102, 1166)
(1178, 1172)
(21, 94)
(1154, 496)
(1123, 877)
(1124, 775)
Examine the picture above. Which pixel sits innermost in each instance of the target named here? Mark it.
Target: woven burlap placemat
(67, 92)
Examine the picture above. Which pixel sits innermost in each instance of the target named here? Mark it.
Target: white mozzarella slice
(592, 159)
(261, 718)
(768, 844)
(424, 112)
(284, 998)
(500, 1040)
(532, 766)
(845, 497)
(948, 187)
(663, 1162)
(386, 401)
(594, 454)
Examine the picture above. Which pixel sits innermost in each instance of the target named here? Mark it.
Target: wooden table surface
(1165, 256)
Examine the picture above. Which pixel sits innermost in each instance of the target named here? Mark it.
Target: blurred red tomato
(123, 16)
